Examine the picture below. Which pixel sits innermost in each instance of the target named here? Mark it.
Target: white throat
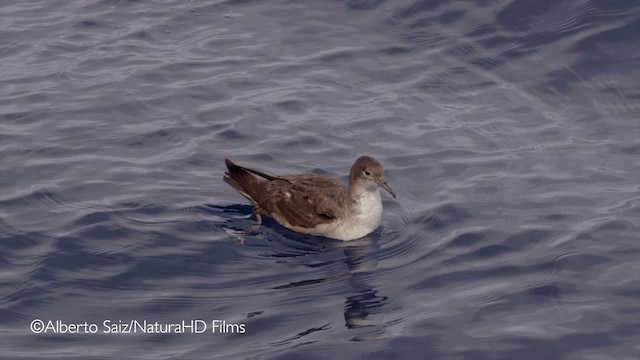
(368, 207)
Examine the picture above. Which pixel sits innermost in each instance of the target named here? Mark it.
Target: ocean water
(510, 130)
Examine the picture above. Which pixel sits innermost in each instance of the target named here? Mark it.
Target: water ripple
(509, 131)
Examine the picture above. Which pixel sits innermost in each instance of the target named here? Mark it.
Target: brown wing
(326, 193)
(302, 200)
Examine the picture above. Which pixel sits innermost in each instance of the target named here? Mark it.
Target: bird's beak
(388, 188)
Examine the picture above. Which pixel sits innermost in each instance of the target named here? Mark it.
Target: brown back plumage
(295, 201)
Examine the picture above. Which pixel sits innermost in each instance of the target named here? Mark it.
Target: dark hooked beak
(388, 188)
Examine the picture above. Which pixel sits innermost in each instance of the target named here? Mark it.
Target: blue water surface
(509, 129)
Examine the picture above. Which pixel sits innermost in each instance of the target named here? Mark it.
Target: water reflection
(363, 301)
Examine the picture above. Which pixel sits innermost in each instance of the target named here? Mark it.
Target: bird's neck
(364, 196)
(362, 188)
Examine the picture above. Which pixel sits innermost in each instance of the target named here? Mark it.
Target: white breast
(363, 218)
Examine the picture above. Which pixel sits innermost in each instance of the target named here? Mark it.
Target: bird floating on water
(316, 204)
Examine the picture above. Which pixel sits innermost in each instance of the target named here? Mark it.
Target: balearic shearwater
(316, 204)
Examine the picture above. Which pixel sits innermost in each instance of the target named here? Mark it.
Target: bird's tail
(241, 179)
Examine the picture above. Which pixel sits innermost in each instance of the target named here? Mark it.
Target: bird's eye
(366, 172)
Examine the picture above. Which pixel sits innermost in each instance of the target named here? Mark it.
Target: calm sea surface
(510, 130)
